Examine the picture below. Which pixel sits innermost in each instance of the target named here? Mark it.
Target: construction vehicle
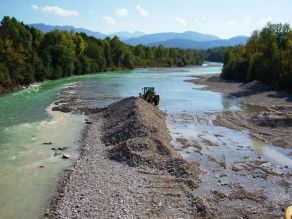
(149, 94)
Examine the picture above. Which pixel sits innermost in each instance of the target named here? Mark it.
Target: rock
(66, 156)
(88, 122)
(53, 149)
(41, 166)
(48, 143)
(62, 148)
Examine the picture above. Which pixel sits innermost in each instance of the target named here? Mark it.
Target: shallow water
(26, 122)
(28, 168)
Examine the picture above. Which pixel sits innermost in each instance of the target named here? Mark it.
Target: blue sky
(224, 18)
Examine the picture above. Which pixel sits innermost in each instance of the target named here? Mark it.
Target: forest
(27, 55)
(214, 54)
(266, 57)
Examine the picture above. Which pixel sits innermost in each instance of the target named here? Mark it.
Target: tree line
(266, 57)
(214, 54)
(27, 55)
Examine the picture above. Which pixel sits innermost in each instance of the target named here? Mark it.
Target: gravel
(129, 169)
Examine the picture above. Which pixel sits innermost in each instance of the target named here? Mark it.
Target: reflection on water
(273, 153)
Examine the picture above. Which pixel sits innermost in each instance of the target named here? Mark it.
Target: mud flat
(253, 93)
(256, 94)
(129, 169)
(280, 135)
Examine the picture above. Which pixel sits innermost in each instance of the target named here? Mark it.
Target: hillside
(127, 35)
(159, 37)
(48, 28)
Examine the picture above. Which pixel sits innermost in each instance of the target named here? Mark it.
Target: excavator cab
(148, 94)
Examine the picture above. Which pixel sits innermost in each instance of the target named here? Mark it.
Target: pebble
(66, 156)
(46, 143)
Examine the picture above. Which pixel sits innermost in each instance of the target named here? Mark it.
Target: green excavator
(149, 94)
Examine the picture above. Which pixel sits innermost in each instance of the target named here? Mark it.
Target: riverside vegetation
(27, 55)
(267, 57)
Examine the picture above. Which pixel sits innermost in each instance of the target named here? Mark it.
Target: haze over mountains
(185, 40)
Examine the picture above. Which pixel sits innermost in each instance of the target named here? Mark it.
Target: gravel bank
(279, 135)
(253, 93)
(129, 169)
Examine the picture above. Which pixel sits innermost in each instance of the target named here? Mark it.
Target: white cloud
(142, 11)
(56, 11)
(59, 11)
(231, 22)
(266, 20)
(246, 19)
(122, 12)
(109, 20)
(182, 21)
(35, 7)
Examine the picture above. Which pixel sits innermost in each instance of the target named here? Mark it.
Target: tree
(4, 75)
(266, 57)
(28, 55)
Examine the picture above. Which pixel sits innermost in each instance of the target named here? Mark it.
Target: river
(29, 169)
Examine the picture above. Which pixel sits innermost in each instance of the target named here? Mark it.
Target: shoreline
(255, 94)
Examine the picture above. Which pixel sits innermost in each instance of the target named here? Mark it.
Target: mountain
(127, 35)
(160, 37)
(47, 28)
(239, 39)
(186, 40)
(190, 44)
(122, 35)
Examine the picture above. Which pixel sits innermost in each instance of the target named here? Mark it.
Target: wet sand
(237, 179)
(254, 93)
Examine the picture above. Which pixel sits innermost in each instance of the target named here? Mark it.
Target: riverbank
(128, 168)
(255, 94)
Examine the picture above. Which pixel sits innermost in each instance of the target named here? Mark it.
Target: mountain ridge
(47, 28)
(190, 44)
(158, 37)
(184, 40)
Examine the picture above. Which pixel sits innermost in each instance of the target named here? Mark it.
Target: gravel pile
(137, 132)
(129, 169)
